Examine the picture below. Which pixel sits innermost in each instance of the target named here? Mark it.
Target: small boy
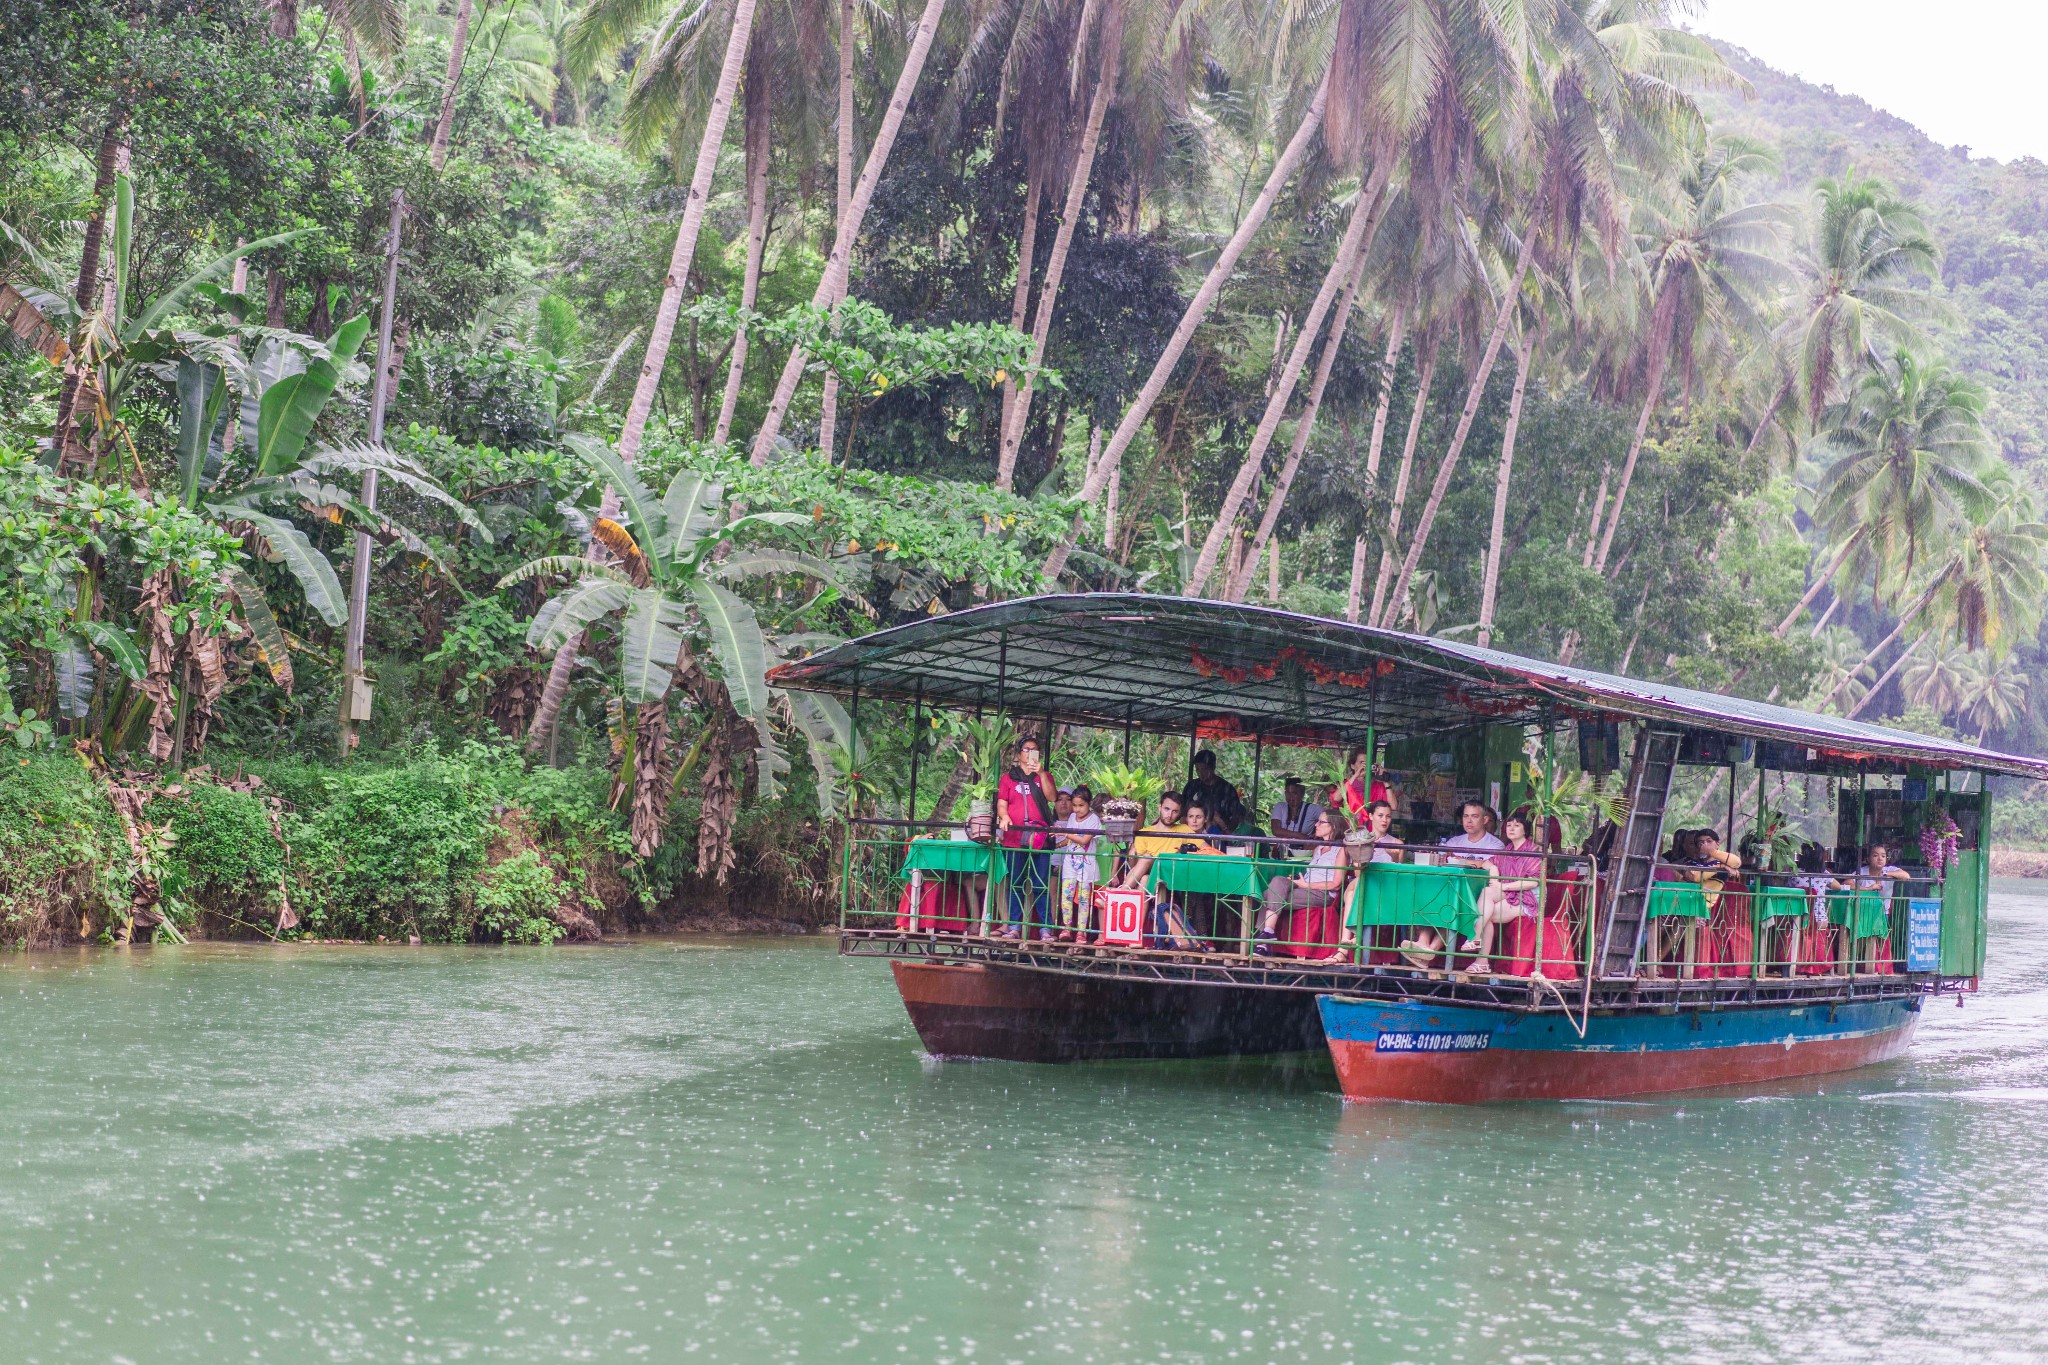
(1076, 833)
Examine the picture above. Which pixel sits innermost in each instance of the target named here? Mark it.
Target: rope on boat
(1579, 1024)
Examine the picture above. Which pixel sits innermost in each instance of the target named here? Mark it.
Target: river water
(732, 1151)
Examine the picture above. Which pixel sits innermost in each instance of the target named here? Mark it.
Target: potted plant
(1122, 793)
(987, 743)
(1773, 844)
(1578, 801)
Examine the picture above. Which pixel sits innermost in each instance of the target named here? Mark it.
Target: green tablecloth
(1218, 874)
(1782, 902)
(1441, 898)
(1867, 914)
(948, 855)
(1677, 900)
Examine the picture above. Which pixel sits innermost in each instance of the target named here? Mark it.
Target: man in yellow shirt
(1164, 837)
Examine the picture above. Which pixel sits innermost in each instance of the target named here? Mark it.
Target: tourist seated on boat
(1077, 835)
(1512, 891)
(1731, 940)
(1807, 940)
(1294, 815)
(1025, 805)
(1174, 921)
(1219, 796)
(1316, 887)
(1162, 836)
(1374, 842)
(1473, 846)
(1359, 789)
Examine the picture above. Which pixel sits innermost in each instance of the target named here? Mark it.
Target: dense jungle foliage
(724, 330)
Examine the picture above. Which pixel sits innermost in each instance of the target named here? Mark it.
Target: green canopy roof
(1175, 664)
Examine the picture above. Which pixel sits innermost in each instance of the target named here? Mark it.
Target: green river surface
(732, 1150)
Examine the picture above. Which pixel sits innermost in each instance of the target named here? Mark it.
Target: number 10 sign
(1123, 917)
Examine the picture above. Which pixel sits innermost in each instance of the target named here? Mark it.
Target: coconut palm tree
(1710, 256)
(1992, 692)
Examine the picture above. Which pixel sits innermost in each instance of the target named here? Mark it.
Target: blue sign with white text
(1923, 935)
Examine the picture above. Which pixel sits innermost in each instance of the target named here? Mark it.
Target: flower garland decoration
(1323, 673)
(1941, 842)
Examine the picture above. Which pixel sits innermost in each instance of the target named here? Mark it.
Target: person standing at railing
(1025, 801)
(1077, 835)
(1219, 796)
(1878, 874)
(1359, 789)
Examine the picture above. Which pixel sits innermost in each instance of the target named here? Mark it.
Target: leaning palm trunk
(1191, 318)
(1304, 426)
(1628, 466)
(1020, 299)
(1510, 301)
(756, 135)
(456, 51)
(828, 406)
(76, 385)
(1905, 619)
(635, 425)
(1496, 536)
(1821, 580)
(833, 284)
(1110, 43)
(1424, 379)
(1364, 218)
(1889, 674)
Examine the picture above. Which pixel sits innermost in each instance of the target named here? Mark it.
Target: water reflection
(735, 1150)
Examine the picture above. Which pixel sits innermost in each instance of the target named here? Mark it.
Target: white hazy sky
(1964, 71)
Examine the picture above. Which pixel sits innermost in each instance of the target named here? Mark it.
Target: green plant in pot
(1578, 801)
(987, 742)
(1772, 844)
(1122, 793)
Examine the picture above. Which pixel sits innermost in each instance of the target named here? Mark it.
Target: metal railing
(1704, 923)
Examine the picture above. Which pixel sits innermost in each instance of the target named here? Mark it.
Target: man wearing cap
(1294, 816)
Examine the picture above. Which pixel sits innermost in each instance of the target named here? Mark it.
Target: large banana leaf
(736, 643)
(262, 624)
(308, 565)
(643, 513)
(196, 394)
(71, 663)
(285, 416)
(691, 506)
(357, 459)
(825, 727)
(770, 763)
(568, 613)
(548, 565)
(124, 239)
(755, 563)
(172, 299)
(272, 360)
(113, 642)
(648, 647)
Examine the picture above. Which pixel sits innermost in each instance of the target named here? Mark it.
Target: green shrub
(62, 849)
(222, 857)
(514, 898)
(410, 841)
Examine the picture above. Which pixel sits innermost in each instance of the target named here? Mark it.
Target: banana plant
(674, 562)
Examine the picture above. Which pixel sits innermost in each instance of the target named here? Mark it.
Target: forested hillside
(720, 331)
(1990, 217)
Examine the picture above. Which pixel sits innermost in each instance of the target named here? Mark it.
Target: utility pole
(355, 688)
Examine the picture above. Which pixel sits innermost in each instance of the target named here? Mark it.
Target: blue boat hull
(1410, 1050)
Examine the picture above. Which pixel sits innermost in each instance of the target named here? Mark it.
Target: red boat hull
(1483, 1056)
(1008, 1014)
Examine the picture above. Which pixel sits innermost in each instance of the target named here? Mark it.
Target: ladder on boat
(1635, 854)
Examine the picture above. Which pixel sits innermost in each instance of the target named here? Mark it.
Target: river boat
(1621, 967)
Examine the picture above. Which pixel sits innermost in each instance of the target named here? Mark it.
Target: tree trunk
(1763, 423)
(1496, 536)
(1628, 466)
(1364, 218)
(1599, 512)
(273, 297)
(1396, 334)
(554, 692)
(1424, 379)
(458, 47)
(1304, 426)
(85, 294)
(1820, 581)
(1109, 42)
(635, 425)
(756, 115)
(1511, 300)
(1191, 317)
(650, 791)
(828, 406)
(284, 18)
(1884, 644)
(1889, 674)
(833, 283)
(1020, 297)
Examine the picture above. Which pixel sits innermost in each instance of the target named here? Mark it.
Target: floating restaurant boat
(1625, 966)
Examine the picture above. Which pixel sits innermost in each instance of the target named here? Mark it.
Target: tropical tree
(675, 561)
(1993, 692)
